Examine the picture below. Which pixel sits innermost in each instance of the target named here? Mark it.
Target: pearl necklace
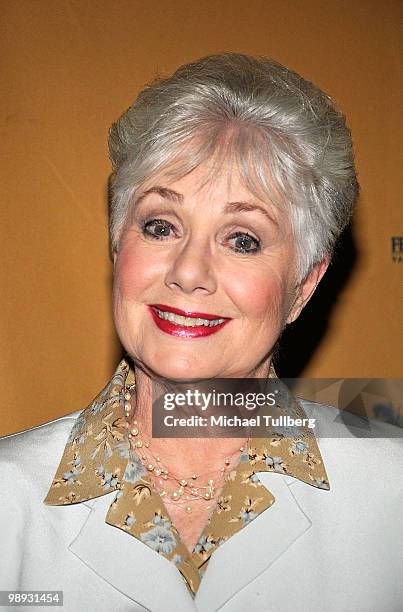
(186, 490)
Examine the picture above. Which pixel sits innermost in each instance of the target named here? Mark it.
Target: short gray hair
(288, 139)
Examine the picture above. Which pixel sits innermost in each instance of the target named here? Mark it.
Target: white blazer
(339, 550)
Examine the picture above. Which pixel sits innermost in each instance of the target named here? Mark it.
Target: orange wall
(69, 68)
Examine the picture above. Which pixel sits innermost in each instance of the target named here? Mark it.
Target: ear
(306, 288)
(114, 257)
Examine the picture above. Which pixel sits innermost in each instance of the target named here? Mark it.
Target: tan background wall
(69, 68)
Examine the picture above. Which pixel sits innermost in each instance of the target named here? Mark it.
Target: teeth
(187, 321)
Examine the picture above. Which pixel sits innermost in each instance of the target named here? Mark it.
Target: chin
(179, 367)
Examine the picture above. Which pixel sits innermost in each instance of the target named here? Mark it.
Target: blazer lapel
(252, 551)
(127, 564)
(98, 462)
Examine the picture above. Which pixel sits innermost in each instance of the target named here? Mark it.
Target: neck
(183, 455)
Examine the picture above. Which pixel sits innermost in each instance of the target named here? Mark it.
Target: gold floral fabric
(99, 459)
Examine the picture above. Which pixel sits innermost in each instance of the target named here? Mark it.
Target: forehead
(221, 183)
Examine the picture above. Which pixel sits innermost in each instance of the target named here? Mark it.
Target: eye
(158, 229)
(244, 243)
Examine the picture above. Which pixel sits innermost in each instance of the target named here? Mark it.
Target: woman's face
(210, 251)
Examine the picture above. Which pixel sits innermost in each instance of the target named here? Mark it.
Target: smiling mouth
(185, 324)
(184, 321)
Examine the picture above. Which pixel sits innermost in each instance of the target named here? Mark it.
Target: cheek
(135, 271)
(258, 294)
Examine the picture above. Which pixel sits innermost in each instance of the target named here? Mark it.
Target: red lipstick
(186, 313)
(182, 331)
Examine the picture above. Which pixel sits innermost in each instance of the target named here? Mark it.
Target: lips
(161, 313)
(187, 313)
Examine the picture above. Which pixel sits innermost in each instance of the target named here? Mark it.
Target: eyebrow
(174, 196)
(164, 192)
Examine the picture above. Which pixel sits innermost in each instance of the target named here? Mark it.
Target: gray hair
(288, 139)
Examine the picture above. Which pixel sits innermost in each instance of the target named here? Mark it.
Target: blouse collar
(98, 460)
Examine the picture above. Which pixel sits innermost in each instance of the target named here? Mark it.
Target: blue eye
(160, 229)
(157, 228)
(244, 243)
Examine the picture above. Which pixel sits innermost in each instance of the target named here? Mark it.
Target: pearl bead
(187, 490)
(127, 396)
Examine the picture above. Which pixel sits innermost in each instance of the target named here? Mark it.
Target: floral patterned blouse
(99, 459)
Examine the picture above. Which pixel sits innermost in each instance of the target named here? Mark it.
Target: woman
(232, 181)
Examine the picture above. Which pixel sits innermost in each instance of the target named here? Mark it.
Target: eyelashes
(160, 229)
(244, 241)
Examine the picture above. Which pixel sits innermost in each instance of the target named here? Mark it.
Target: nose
(191, 269)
